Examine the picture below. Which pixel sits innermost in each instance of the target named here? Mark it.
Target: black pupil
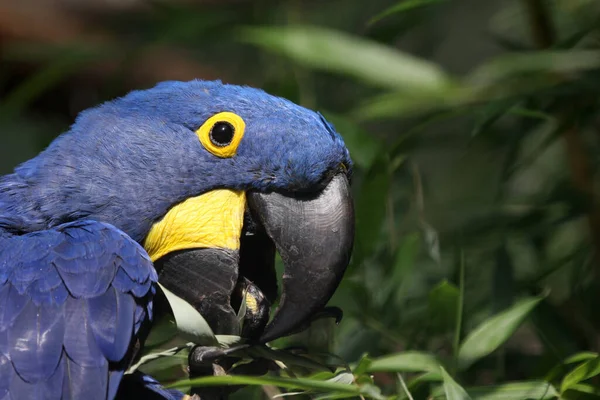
(222, 133)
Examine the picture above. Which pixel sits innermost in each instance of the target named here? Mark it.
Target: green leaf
(289, 383)
(408, 361)
(401, 104)
(579, 357)
(583, 372)
(362, 365)
(534, 390)
(228, 340)
(347, 378)
(342, 53)
(154, 356)
(585, 388)
(443, 301)
(553, 62)
(370, 209)
(493, 332)
(363, 146)
(403, 6)
(190, 324)
(404, 263)
(452, 389)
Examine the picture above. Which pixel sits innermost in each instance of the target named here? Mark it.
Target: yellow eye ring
(221, 134)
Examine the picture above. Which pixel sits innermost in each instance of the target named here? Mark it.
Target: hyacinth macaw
(192, 184)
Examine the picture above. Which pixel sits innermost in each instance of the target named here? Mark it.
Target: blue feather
(13, 303)
(6, 372)
(139, 316)
(114, 380)
(50, 389)
(85, 284)
(84, 382)
(35, 341)
(79, 342)
(111, 319)
(123, 282)
(4, 342)
(85, 327)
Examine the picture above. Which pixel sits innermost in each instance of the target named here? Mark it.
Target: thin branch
(404, 387)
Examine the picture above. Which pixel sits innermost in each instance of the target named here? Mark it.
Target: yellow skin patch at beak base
(213, 219)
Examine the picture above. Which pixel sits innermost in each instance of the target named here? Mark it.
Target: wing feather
(84, 383)
(35, 341)
(112, 322)
(71, 301)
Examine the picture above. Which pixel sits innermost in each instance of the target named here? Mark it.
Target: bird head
(213, 180)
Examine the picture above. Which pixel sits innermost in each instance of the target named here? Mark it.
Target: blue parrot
(195, 185)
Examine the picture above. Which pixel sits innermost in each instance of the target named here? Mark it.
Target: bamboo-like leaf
(585, 371)
(579, 357)
(403, 6)
(493, 332)
(452, 389)
(342, 53)
(542, 61)
(409, 361)
(532, 390)
(289, 383)
(190, 324)
(154, 356)
(586, 388)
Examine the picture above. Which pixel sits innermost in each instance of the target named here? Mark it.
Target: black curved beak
(314, 236)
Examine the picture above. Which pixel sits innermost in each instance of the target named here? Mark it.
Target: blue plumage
(58, 335)
(128, 161)
(75, 285)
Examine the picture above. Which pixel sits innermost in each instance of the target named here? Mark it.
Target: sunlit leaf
(403, 6)
(534, 390)
(409, 361)
(346, 378)
(493, 332)
(154, 356)
(452, 389)
(515, 391)
(296, 383)
(541, 61)
(585, 371)
(362, 365)
(190, 324)
(579, 357)
(336, 51)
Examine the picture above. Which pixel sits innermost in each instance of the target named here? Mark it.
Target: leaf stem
(404, 387)
(460, 305)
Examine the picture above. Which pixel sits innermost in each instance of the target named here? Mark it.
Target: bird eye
(221, 134)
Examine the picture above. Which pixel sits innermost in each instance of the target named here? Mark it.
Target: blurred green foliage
(474, 129)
